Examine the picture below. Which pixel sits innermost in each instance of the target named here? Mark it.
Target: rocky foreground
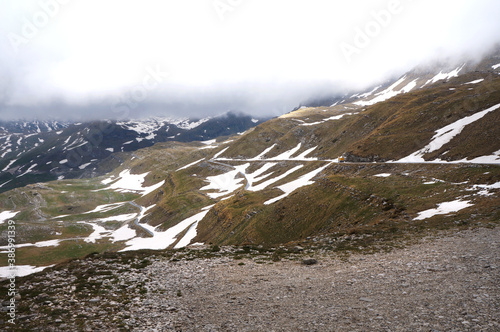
(445, 283)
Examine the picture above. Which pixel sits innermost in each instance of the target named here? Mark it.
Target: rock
(309, 261)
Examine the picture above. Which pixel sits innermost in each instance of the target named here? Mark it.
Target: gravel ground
(445, 283)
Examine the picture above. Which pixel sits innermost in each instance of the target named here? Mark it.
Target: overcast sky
(81, 59)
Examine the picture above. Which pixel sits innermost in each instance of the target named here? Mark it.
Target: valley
(253, 188)
(370, 174)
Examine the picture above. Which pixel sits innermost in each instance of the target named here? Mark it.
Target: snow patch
(187, 125)
(6, 215)
(162, 240)
(445, 135)
(20, 270)
(303, 155)
(267, 183)
(290, 187)
(410, 86)
(191, 164)
(287, 154)
(48, 243)
(105, 207)
(444, 208)
(263, 153)
(475, 82)
(388, 93)
(383, 175)
(121, 217)
(225, 183)
(220, 152)
(123, 233)
(83, 166)
(444, 76)
(150, 137)
(6, 151)
(28, 170)
(98, 233)
(3, 184)
(336, 117)
(485, 188)
(108, 180)
(8, 166)
(133, 183)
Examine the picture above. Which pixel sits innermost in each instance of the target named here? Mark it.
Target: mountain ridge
(49, 150)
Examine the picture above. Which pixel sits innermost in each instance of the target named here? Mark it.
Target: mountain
(41, 151)
(421, 153)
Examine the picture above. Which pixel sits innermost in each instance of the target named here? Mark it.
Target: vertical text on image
(11, 254)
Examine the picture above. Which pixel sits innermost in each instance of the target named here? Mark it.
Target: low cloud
(80, 60)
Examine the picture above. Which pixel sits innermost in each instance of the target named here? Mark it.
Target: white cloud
(257, 55)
